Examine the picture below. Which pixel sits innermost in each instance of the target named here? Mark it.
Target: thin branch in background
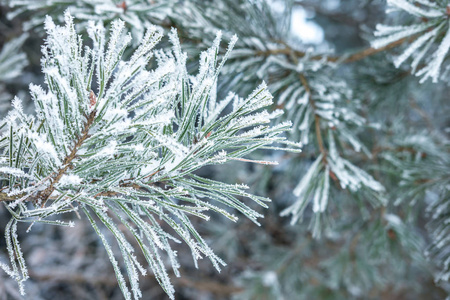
(345, 59)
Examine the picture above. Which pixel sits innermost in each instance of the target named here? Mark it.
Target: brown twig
(377, 150)
(57, 175)
(112, 194)
(68, 160)
(357, 56)
(372, 51)
(5, 198)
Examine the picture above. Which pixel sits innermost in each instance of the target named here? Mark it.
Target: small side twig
(44, 195)
(357, 56)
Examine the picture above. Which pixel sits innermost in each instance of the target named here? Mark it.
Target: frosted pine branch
(120, 143)
(425, 35)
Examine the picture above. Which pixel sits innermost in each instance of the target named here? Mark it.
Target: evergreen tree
(362, 212)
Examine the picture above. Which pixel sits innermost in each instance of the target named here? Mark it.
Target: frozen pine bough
(118, 144)
(428, 36)
(325, 114)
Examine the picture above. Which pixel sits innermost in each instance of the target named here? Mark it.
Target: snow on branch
(429, 37)
(120, 143)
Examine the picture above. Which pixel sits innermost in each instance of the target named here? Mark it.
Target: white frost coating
(316, 200)
(325, 191)
(17, 104)
(46, 147)
(70, 179)
(163, 118)
(427, 3)
(362, 177)
(357, 146)
(394, 220)
(283, 96)
(14, 171)
(220, 157)
(407, 31)
(150, 167)
(8, 270)
(429, 31)
(49, 24)
(296, 208)
(382, 29)
(117, 27)
(414, 46)
(113, 113)
(433, 68)
(254, 119)
(270, 279)
(107, 151)
(231, 45)
(138, 148)
(415, 10)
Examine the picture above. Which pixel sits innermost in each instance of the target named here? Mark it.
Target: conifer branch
(360, 55)
(345, 59)
(152, 131)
